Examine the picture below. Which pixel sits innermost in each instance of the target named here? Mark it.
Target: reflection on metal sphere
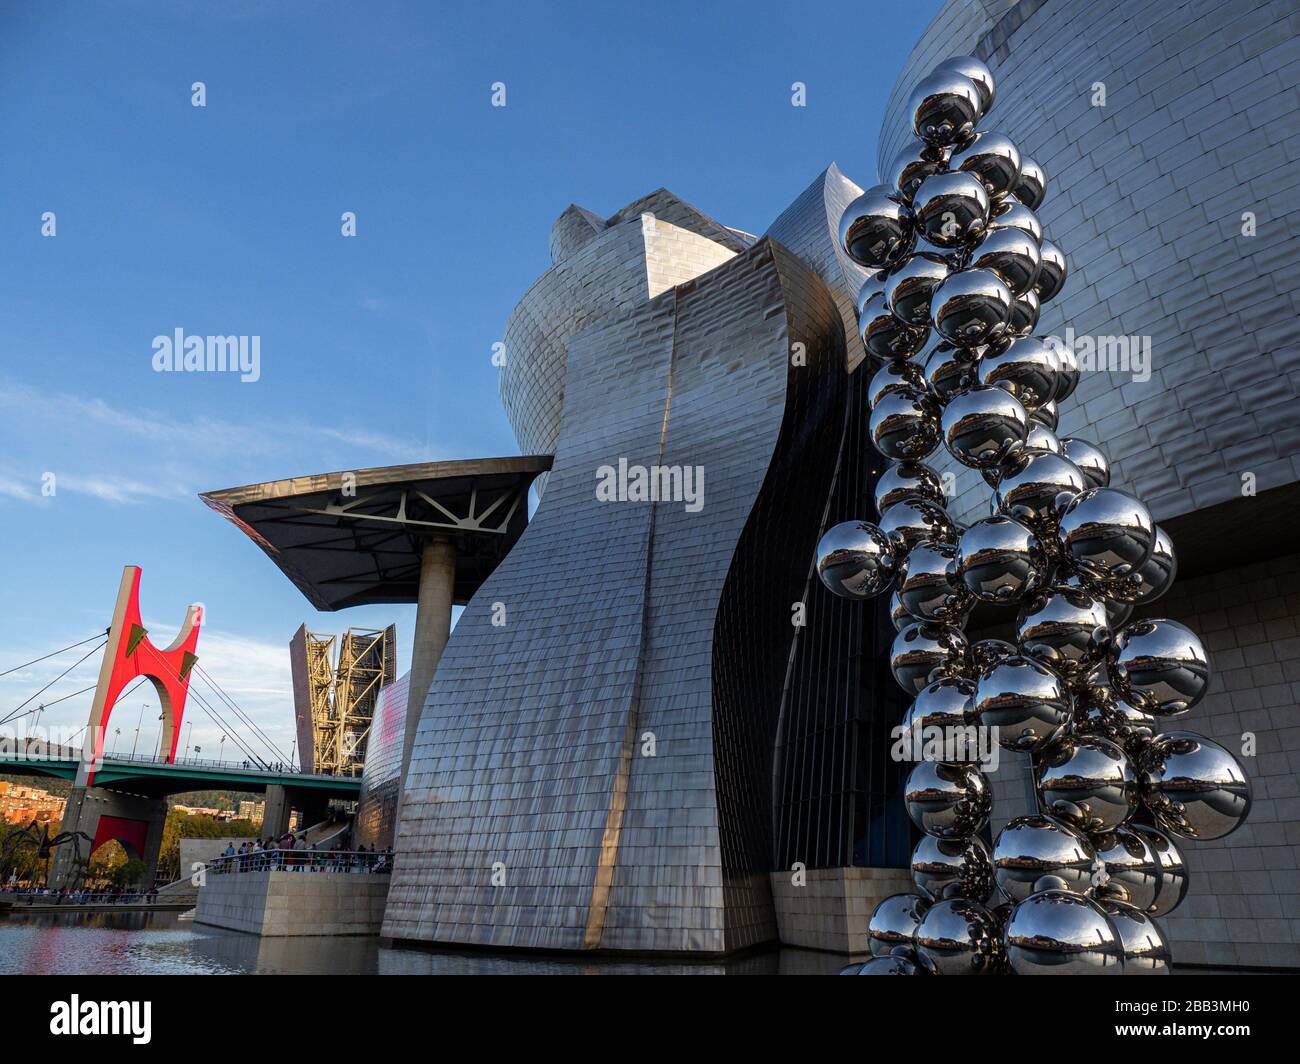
(891, 965)
(1026, 702)
(983, 425)
(1088, 783)
(951, 209)
(953, 868)
(856, 560)
(1171, 887)
(1052, 272)
(978, 72)
(1013, 255)
(912, 164)
(1160, 666)
(883, 335)
(959, 937)
(1031, 847)
(1012, 214)
(1132, 868)
(894, 922)
(1027, 369)
(1046, 415)
(1143, 944)
(1001, 560)
(949, 370)
(910, 286)
(1194, 787)
(1024, 314)
(899, 616)
(924, 652)
(1036, 489)
(991, 157)
(986, 653)
(949, 801)
(945, 705)
(1108, 533)
(1091, 460)
(1031, 188)
(1099, 712)
(1156, 575)
(877, 229)
(908, 480)
(1056, 932)
(895, 377)
(1065, 629)
(905, 426)
(873, 285)
(928, 584)
(971, 307)
(911, 521)
(945, 107)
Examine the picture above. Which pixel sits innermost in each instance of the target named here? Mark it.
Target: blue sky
(375, 349)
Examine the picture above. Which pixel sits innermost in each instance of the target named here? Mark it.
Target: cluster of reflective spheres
(960, 270)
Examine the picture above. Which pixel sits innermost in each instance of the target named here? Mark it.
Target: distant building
(22, 805)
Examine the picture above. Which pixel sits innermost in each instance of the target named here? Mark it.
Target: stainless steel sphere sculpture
(960, 268)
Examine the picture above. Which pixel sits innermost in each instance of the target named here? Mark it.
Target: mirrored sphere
(1046, 415)
(1052, 272)
(1001, 560)
(856, 560)
(928, 584)
(872, 286)
(1068, 372)
(1036, 489)
(899, 616)
(894, 922)
(924, 652)
(895, 376)
(1156, 575)
(991, 157)
(1031, 187)
(908, 480)
(1031, 847)
(1013, 255)
(951, 209)
(890, 965)
(1026, 702)
(1160, 666)
(1098, 712)
(1012, 214)
(1027, 369)
(1132, 868)
(949, 370)
(959, 937)
(1171, 887)
(983, 425)
(911, 521)
(971, 307)
(1107, 533)
(912, 164)
(1065, 629)
(1088, 783)
(1056, 932)
(945, 107)
(946, 868)
(1142, 942)
(949, 801)
(1194, 787)
(986, 653)
(940, 713)
(877, 229)
(884, 336)
(977, 71)
(905, 426)
(1091, 460)
(1041, 440)
(910, 286)
(1024, 314)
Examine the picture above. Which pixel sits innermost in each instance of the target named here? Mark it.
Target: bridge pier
(281, 801)
(137, 822)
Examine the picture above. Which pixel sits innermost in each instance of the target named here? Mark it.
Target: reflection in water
(158, 944)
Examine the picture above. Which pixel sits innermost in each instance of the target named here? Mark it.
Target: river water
(159, 944)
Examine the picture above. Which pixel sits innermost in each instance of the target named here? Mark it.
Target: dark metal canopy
(355, 538)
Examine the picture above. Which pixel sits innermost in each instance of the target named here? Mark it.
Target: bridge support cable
(56, 679)
(220, 692)
(54, 653)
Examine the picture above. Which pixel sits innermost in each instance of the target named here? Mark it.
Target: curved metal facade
(595, 772)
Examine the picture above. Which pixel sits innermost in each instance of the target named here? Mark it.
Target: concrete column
(275, 817)
(86, 806)
(432, 628)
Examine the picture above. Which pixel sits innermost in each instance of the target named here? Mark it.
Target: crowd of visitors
(82, 895)
(293, 853)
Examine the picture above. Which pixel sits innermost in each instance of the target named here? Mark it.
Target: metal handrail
(303, 860)
(56, 752)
